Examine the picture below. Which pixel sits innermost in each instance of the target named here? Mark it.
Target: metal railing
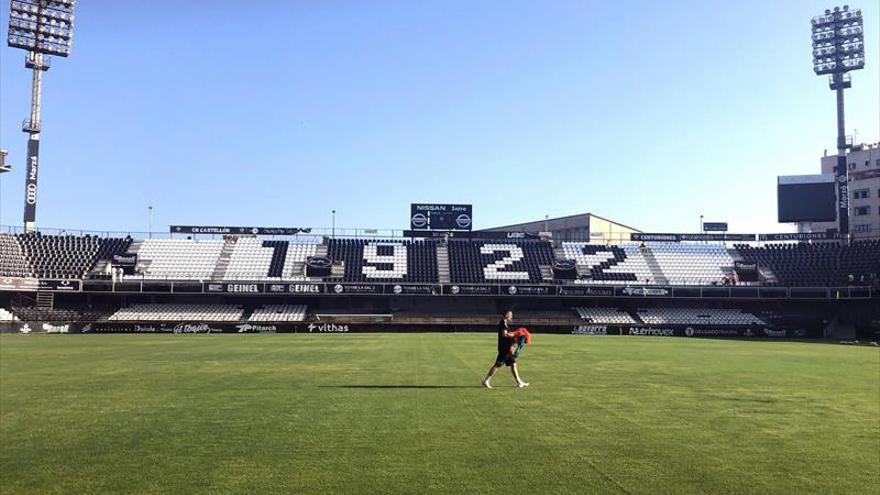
(762, 292)
(316, 233)
(320, 233)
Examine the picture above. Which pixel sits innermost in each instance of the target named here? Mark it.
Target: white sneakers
(486, 384)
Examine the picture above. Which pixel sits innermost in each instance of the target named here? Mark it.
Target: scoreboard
(441, 217)
(806, 198)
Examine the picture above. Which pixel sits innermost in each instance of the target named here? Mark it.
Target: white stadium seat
(692, 264)
(608, 264)
(257, 260)
(277, 313)
(605, 316)
(7, 316)
(679, 263)
(178, 259)
(178, 312)
(697, 316)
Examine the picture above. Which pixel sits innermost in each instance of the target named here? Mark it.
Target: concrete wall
(607, 232)
(584, 228)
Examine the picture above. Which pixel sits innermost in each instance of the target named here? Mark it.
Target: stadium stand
(796, 317)
(474, 261)
(178, 312)
(697, 316)
(279, 313)
(59, 256)
(176, 259)
(34, 313)
(608, 264)
(816, 265)
(109, 247)
(39, 256)
(6, 315)
(471, 261)
(610, 316)
(692, 264)
(13, 262)
(391, 261)
(259, 260)
(676, 263)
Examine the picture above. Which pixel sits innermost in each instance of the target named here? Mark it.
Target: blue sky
(225, 112)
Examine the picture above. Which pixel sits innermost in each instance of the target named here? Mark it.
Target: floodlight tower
(43, 28)
(839, 47)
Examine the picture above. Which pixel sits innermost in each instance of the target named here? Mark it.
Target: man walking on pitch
(506, 356)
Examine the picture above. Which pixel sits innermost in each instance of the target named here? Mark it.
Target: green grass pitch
(403, 413)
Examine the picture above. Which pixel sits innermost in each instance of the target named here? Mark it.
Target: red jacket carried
(522, 332)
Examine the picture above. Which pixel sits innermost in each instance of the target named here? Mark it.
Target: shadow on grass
(399, 386)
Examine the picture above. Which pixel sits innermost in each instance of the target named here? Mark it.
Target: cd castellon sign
(232, 230)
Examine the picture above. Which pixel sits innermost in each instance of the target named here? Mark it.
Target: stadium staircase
(99, 268)
(546, 273)
(135, 248)
(225, 258)
(765, 274)
(734, 255)
(635, 316)
(246, 315)
(657, 276)
(337, 269)
(559, 253)
(46, 300)
(298, 268)
(443, 264)
(100, 265)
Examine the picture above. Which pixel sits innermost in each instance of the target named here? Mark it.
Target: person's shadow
(399, 386)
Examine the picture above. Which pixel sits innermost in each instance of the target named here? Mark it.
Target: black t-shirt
(504, 343)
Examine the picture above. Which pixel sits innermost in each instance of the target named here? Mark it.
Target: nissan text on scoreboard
(441, 217)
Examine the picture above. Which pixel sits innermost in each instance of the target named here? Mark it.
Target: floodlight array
(838, 41)
(42, 26)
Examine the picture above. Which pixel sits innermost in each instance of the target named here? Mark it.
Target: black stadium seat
(473, 262)
(49, 256)
(386, 260)
(816, 265)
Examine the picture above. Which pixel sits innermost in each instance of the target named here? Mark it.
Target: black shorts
(505, 358)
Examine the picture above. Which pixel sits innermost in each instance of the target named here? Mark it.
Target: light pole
(150, 232)
(3, 169)
(43, 28)
(701, 224)
(333, 224)
(839, 47)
